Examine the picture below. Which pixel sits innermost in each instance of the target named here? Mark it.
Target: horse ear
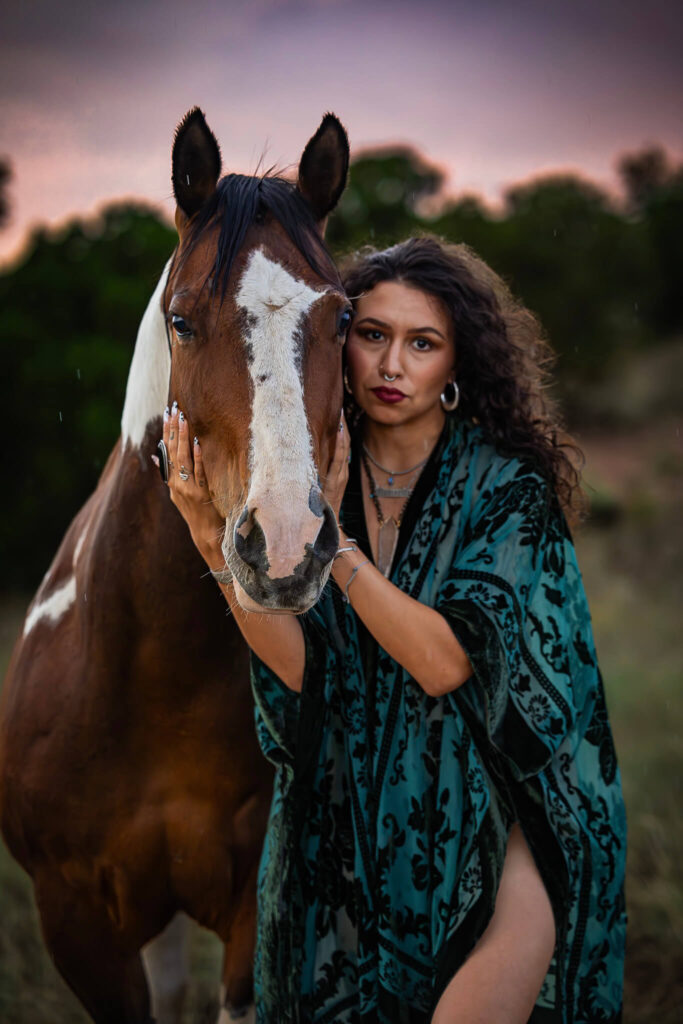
(196, 162)
(323, 168)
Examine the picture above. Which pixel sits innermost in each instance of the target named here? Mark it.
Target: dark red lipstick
(388, 395)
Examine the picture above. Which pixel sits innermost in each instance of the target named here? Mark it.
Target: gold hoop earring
(347, 386)
(449, 402)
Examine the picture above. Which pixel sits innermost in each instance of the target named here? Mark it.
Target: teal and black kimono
(392, 808)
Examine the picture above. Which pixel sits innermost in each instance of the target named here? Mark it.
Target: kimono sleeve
(280, 710)
(514, 599)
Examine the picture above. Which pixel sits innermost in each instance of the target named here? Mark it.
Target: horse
(132, 786)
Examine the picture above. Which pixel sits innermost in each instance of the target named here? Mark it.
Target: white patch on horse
(150, 369)
(52, 607)
(79, 545)
(281, 450)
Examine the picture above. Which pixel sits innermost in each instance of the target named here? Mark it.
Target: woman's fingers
(184, 466)
(345, 439)
(167, 426)
(199, 474)
(173, 438)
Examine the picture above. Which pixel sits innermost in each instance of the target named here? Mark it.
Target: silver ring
(388, 378)
(182, 474)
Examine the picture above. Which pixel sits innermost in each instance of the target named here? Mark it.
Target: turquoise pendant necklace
(391, 491)
(387, 537)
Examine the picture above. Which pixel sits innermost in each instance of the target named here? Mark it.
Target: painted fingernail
(167, 413)
(174, 409)
(155, 460)
(181, 418)
(196, 441)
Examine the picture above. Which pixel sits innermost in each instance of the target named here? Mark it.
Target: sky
(493, 91)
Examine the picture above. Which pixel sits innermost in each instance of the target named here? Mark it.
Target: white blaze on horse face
(150, 370)
(281, 452)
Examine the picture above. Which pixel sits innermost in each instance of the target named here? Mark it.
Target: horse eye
(182, 329)
(344, 322)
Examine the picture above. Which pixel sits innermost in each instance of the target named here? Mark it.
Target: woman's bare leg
(500, 980)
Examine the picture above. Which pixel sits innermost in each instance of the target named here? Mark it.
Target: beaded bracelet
(356, 569)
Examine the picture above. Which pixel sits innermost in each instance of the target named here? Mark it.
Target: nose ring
(388, 378)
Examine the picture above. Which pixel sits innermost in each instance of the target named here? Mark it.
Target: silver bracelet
(352, 547)
(223, 576)
(356, 569)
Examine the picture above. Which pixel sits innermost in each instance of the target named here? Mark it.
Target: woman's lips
(389, 395)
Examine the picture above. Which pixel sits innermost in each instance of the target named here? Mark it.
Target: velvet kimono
(392, 808)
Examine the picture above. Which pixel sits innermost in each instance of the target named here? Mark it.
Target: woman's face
(402, 332)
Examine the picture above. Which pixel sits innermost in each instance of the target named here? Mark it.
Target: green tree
(654, 188)
(382, 201)
(71, 312)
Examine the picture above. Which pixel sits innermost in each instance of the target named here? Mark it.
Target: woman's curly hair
(502, 357)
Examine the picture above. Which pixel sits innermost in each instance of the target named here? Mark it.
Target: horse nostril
(327, 541)
(250, 541)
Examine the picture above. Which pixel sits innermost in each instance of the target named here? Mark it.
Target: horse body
(131, 783)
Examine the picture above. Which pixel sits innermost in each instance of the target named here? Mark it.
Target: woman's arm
(278, 640)
(414, 635)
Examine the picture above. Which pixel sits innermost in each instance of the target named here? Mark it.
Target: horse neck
(150, 371)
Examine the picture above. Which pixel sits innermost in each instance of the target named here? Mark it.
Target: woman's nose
(390, 364)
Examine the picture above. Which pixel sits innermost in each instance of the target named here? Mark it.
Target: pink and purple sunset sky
(495, 91)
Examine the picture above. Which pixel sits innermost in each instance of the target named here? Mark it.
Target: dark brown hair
(502, 357)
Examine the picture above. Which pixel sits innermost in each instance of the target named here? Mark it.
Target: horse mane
(241, 200)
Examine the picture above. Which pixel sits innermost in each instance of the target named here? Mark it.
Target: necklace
(387, 538)
(400, 492)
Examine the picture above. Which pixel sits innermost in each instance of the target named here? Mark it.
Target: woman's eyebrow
(412, 330)
(371, 320)
(426, 330)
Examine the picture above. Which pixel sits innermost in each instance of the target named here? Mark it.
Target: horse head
(257, 317)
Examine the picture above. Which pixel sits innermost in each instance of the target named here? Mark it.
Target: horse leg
(237, 990)
(166, 966)
(108, 978)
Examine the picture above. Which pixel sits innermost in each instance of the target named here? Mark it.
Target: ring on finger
(183, 474)
(163, 460)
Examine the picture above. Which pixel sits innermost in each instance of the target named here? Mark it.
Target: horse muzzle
(283, 550)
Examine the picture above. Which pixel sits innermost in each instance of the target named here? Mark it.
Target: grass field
(633, 570)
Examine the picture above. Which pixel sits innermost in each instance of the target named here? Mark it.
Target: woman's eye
(422, 344)
(373, 334)
(344, 323)
(181, 327)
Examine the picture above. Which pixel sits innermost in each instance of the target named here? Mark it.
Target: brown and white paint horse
(131, 783)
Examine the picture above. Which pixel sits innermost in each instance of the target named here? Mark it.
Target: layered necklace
(387, 538)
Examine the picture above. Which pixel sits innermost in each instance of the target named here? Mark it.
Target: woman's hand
(191, 496)
(338, 470)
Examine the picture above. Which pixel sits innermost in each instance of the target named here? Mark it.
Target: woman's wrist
(212, 553)
(348, 556)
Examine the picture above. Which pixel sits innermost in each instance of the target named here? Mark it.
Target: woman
(447, 835)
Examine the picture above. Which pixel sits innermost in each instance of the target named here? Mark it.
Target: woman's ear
(196, 165)
(324, 167)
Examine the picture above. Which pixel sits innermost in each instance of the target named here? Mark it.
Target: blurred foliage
(70, 313)
(605, 280)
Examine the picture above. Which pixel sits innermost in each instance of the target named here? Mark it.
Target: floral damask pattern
(392, 808)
